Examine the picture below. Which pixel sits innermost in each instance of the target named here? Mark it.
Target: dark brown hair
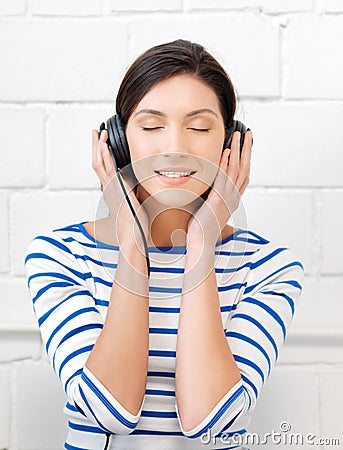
(167, 60)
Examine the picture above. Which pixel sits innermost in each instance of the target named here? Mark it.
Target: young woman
(173, 358)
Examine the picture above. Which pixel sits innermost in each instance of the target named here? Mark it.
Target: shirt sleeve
(70, 324)
(255, 332)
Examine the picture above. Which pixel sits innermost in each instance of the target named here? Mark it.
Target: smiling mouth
(174, 173)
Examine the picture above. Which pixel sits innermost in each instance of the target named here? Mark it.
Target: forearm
(119, 358)
(205, 367)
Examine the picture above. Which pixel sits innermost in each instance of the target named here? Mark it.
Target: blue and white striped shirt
(70, 276)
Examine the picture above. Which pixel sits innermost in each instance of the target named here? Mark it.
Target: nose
(174, 143)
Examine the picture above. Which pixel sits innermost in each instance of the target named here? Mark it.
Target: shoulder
(57, 246)
(265, 256)
(274, 263)
(55, 240)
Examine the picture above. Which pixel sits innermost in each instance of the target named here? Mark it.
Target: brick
(5, 409)
(286, 387)
(288, 150)
(16, 305)
(22, 147)
(306, 348)
(15, 345)
(331, 396)
(314, 57)
(258, 46)
(332, 242)
(320, 306)
(4, 249)
(47, 211)
(274, 215)
(333, 5)
(83, 61)
(285, 6)
(220, 4)
(67, 8)
(41, 424)
(69, 145)
(147, 5)
(14, 7)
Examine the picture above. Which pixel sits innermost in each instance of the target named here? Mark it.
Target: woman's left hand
(232, 178)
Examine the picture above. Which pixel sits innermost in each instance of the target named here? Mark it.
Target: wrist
(199, 264)
(199, 255)
(200, 245)
(132, 270)
(132, 245)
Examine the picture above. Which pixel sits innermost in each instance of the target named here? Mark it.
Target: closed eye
(203, 130)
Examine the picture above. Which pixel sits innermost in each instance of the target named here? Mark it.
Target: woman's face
(176, 127)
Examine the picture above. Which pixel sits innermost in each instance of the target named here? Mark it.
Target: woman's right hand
(125, 226)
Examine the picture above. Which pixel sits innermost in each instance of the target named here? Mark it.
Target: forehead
(182, 91)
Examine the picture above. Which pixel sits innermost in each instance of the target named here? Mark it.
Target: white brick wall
(36, 212)
(284, 6)
(147, 5)
(66, 7)
(72, 62)
(248, 48)
(22, 147)
(219, 4)
(4, 232)
(332, 5)
(69, 139)
(61, 64)
(332, 242)
(13, 7)
(314, 57)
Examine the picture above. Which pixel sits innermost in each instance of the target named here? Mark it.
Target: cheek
(142, 156)
(210, 157)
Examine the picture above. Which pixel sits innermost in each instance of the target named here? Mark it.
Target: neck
(168, 225)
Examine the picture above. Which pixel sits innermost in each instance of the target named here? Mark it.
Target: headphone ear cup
(117, 142)
(124, 146)
(229, 133)
(236, 126)
(112, 141)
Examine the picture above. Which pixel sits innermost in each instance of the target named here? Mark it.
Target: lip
(175, 169)
(176, 180)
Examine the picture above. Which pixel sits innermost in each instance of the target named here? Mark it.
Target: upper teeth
(175, 174)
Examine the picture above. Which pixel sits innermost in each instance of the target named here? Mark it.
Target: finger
(97, 158)
(233, 169)
(220, 179)
(246, 150)
(108, 160)
(103, 136)
(95, 141)
(245, 160)
(244, 186)
(105, 153)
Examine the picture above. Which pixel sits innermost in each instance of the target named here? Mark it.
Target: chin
(174, 197)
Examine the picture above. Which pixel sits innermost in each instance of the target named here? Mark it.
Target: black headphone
(119, 149)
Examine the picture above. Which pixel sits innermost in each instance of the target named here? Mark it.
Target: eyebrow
(161, 114)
